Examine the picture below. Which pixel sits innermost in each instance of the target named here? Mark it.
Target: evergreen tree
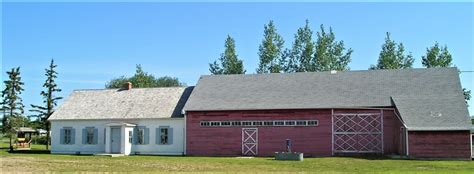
(392, 56)
(329, 53)
(49, 99)
(142, 79)
(437, 56)
(229, 63)
(270, 50)
(301, 54)
(12, 104)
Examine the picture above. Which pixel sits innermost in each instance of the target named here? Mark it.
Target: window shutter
(96, 136)
(170, 135)
(61, 136)
(84, 136)
(147, 136)
(135, 136)
(73, 136)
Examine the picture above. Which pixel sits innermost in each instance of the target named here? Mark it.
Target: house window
(141, 136)
(164, 136)
(89, 135)
(67, 136)
(130, 136)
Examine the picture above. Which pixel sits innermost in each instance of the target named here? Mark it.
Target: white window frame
(89, 135)
(141, 136)
(67, 136)
(130, 137)
(166, 135)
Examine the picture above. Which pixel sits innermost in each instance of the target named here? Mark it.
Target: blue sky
(94, 42)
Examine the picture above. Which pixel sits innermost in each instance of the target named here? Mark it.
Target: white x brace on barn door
(249, 141)
(357, 133)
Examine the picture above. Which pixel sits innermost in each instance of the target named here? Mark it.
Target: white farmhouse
(123, 121)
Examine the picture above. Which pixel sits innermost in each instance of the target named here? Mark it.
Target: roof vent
(436, 114)
(333, 72)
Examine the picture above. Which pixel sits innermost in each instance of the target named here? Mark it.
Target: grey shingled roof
(348, 89)
(123, 104)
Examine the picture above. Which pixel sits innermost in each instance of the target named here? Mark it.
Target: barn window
(246, 123)
(215, 123)
(301, 123)
(257, 123)
(312, 122)
(289, 123)
(225, 123)
(236, 123)
(205, 123)
(268, 123)
(279, 123)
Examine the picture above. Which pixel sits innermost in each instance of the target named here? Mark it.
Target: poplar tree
(437, 56)
(329, 54)
(12, 104)
(392, 56)
(228, 63)
(50, 99)
(300, 55)
(270, 50)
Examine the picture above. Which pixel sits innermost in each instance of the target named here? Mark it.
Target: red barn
(420, 113)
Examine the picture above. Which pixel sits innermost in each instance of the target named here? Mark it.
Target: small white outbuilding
(121, 121)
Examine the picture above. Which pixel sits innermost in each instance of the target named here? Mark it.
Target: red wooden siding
(439, 144)
(311, 140)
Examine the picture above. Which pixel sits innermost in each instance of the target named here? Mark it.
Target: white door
(249, 141)
(115, 140)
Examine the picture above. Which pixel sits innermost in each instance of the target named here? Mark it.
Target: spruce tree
(437, 56)
(50, 99)
(270, 50)
(392, 56)
(229, 63)
(329, 54)
(12, 104)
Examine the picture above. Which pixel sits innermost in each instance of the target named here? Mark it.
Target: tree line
(325, 53)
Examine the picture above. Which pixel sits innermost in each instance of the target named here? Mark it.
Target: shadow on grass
(30, 151)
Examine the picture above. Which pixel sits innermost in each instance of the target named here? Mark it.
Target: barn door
(358, 133)
(249, 141)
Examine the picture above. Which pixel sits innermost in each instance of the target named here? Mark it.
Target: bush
(40, 140)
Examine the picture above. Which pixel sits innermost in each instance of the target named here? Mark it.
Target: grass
(41, 163)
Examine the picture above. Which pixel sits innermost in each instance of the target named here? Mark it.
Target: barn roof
(123, 104)
(438, 88)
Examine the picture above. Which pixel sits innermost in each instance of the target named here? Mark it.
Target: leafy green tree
(299, 57)
(49, 99)
(229, 63)
(12, 104)
(142, 79)
(392, 56)
(270, 50)
(437, 56)
(329, 53)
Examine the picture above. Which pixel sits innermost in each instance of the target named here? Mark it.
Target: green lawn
(40, 163)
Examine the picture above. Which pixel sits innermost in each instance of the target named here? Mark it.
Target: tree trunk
(11, 147)
(47, 135)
